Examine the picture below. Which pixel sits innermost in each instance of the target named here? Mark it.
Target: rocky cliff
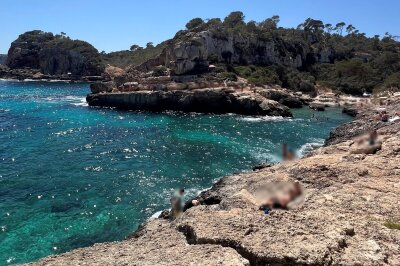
(295, 58)
(350, 201)
(194, 51)
(54, 55)
(218, 101)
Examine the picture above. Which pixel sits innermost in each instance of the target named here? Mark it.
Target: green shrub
(243, 71)
(257, 75)
(126, 58)
(228, 76)
(392, 82)
(264, 76)
(392, 225)
(196, 22)
(213, 58)
(159, 71)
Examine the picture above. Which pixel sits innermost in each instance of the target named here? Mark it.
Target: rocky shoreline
(203, 94)
(190, 94)
(24, 74)
(349, 197)
(218, 101)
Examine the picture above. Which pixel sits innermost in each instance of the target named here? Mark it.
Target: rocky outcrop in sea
(217, 101)
(202, 94)
(53, 55)
(350, 201)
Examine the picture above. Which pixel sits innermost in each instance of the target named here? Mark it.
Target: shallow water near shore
(72, 176)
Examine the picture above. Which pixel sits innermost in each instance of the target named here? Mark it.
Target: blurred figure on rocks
(373, 137)
(177, 203)
(287, 154)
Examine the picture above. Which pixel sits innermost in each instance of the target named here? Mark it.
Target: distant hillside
(337, 56)
(135, 57)
(54, 55)
(2, 58)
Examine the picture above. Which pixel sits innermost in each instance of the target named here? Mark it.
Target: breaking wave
(310, 146)
(268, 119)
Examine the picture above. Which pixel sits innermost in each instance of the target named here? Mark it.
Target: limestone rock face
(158, 244)
(54, 55)
(115, 74)
(201, 100)
(351, 111)
(193, 53)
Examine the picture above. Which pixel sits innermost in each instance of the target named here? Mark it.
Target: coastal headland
(348, 216)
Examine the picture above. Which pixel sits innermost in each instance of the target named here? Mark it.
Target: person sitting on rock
(177, 203)
(287, 154)
(384, 117)
(372, 146)
(281, 200)
(284, 151)
(373, 137)
(296, 190)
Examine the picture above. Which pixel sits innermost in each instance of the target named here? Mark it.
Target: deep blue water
(71, 176)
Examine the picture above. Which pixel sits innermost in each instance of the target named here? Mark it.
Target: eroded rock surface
(159, 244)
(217, 100)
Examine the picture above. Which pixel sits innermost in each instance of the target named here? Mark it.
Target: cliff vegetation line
(337, 56)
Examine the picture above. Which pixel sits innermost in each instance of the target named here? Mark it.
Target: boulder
(101, 87)
(351, 111)
(317, 106)
(291, 102)
(113, 71)
(282, 96)
(275, 94)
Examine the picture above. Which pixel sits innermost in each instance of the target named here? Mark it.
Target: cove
(72, 176)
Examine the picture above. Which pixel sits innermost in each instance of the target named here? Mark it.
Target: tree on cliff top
(234, 19)
(312, 25)
(194, 23)
(339, 28)
(134, 47)
(270, 23)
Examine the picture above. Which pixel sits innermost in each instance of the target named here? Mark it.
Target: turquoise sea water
(72, 176)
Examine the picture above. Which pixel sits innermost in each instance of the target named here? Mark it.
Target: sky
(113, 25)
